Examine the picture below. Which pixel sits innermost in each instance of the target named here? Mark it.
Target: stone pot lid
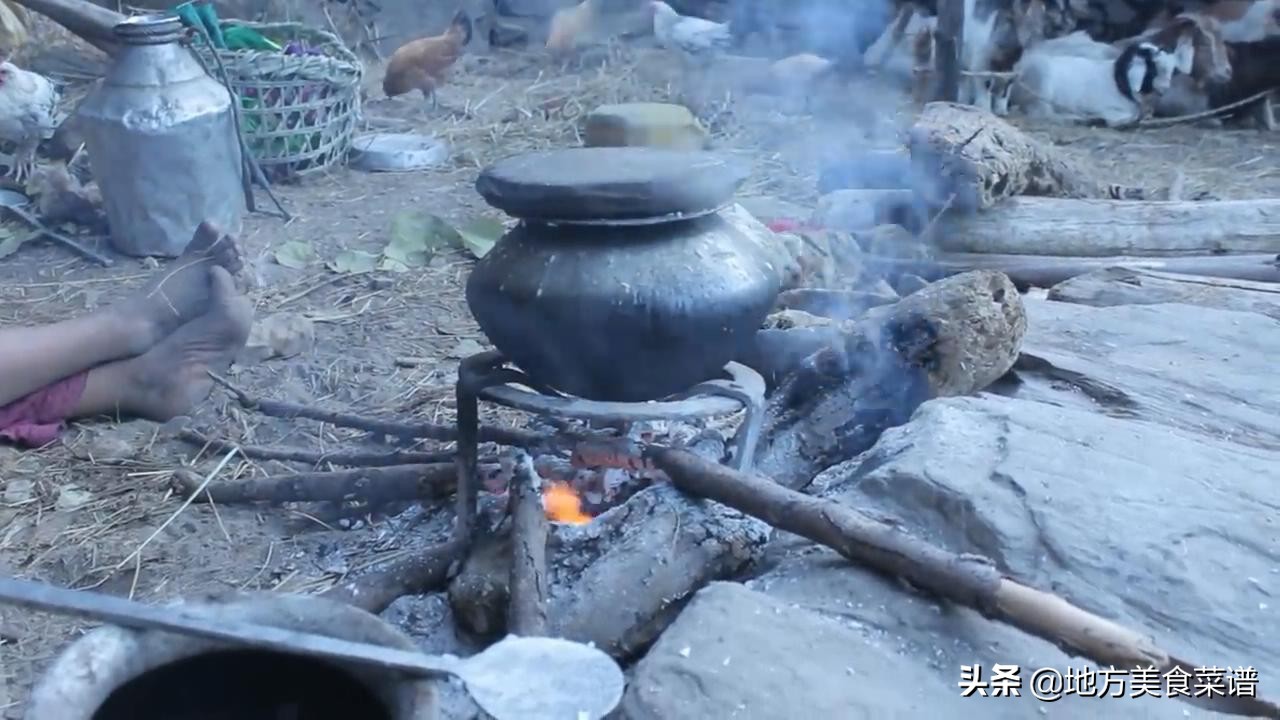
(610, 183)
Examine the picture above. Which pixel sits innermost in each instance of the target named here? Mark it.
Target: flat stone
(613, 183)
(644, 125)
(734, 653)
(1129, 470)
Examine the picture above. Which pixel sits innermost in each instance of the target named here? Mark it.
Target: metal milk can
(162, 143)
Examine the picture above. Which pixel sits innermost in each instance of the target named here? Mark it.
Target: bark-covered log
(1093, 228)
(619, 580)
(954, 337)
(1047, 271)
(527, 613)
(372, 485)
(1128, 286)
(982, 159)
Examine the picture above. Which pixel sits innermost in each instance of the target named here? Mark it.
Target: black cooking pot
(623, 313)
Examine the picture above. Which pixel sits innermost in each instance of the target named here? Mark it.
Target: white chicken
(694, 37)
(28, 114)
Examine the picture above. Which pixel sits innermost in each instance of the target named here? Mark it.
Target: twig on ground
(373, 485)
(67, 242)
(965, 579)
(137, 553)
(527, 611)
(416, 573)
(430, 431)
(349, 459)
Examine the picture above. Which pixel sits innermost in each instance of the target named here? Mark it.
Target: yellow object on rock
(644, 124)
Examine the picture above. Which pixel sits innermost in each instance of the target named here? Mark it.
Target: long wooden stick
(966, 579)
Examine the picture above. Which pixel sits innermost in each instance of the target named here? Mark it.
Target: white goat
(1244, 20)
(1077, 79)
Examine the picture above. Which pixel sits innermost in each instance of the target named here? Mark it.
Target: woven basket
(298, 113)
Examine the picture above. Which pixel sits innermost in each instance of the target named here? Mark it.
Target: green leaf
(10, 241)
(480, 234)
(416, 237)
(390, 264)
(294, 254)
(354, 261)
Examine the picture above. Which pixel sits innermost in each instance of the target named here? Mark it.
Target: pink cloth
(37, 419)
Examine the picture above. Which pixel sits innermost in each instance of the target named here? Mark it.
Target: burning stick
(964, 579)
(527, 611)
(415, 573)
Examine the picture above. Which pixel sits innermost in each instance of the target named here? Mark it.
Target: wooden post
(948, 39)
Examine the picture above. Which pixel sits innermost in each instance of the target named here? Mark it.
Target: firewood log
(981, 159)
(1092, 228)
(953, 337)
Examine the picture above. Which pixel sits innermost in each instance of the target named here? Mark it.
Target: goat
(1210, 65)
(1255, 68)
(1245, 20)
(1082, 80)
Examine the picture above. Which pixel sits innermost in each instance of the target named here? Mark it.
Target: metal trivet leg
(475, 374)
(747, 387)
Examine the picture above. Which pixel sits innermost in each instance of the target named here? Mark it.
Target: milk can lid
(151, 29)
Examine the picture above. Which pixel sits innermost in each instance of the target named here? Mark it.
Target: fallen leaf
(480, 235)
(71, 497)
(416, 237)
(465, 348)
(294, 254)
(353, 261)
(10, 241)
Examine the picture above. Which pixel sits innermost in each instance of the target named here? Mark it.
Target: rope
(1212, 112)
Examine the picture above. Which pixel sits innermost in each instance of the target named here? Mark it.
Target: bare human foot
(172, 377)
(181, 291)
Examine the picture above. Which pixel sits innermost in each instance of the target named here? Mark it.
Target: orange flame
(562, 504)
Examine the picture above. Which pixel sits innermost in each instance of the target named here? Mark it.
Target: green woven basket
(298, 113)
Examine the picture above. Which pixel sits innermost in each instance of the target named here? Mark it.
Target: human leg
(170, 378)
(32, 358)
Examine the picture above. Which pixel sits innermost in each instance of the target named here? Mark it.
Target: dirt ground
(87, 512)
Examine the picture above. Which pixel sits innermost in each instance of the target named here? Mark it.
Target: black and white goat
(1076, 78)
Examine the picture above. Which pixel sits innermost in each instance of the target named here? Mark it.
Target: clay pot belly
(626, 314)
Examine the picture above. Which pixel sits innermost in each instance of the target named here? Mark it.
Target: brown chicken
(572, 25)
(423, 64)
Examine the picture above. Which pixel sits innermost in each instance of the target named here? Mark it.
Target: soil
(85, 513)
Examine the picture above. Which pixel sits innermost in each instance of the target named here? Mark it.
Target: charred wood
(527, 614)
(416, 572)
(619, 580)
(370, 485)
(349, 459)
(953, 337)
(430, 431)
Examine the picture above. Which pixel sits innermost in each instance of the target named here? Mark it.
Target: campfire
(563, 505)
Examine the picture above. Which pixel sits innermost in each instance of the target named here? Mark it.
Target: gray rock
(734, 653)
(592, 183)
(1136, 286)
(1195, 368)
(1165, 530)
(1132, 473)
